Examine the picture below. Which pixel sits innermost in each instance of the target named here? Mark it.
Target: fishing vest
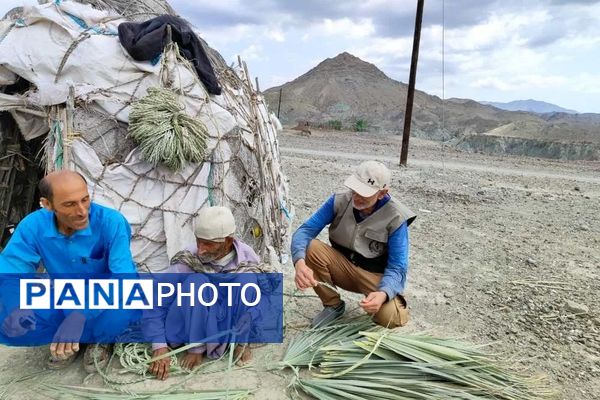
(365, 243)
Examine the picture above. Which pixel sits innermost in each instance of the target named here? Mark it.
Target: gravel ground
(505, 250)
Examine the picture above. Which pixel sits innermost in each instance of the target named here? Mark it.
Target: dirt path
(453, 165)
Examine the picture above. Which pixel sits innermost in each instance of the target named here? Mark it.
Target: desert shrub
(334, 124)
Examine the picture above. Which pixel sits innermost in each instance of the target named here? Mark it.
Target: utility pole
(279, 105)
(411, 83)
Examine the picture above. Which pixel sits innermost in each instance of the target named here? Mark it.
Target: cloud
(277, 34)
(343, 27)
(504, 47)
(492, 83)
(383, 47)
(507, 83)
(310, 11)
(586, 83)
(253, 52)
(571, 2)
(226, 14)
(276, 80)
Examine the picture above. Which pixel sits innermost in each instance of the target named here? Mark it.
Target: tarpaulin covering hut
(68, 90)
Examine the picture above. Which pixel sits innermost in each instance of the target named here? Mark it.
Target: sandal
(100, 352)
(61, 363)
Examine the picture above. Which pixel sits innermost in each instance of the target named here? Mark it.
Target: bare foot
(246, 355)
(191, 360)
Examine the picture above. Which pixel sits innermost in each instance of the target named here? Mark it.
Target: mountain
(349, 92)
(348, 89)
(534, 106)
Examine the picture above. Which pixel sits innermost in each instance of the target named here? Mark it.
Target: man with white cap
(216, 250)
(368, 232)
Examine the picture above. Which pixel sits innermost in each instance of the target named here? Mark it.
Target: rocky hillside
(347, 92)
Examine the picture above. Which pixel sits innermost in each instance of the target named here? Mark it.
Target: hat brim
(357, 186)
(218, 240)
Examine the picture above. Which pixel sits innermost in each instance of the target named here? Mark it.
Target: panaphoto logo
(134, 294)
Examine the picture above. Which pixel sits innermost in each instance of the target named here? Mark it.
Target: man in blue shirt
(70, 234)
(368, 232)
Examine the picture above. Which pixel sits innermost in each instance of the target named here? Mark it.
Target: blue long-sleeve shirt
(394, 276)
(102, 247)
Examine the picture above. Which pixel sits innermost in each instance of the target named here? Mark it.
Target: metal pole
(411, 83)
(257, 87)
(279, 105)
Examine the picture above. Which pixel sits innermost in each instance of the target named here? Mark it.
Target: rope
(211, 201)
(83, 36)
(135, 358)
(166, 134)
(56, 138)
(95, 29)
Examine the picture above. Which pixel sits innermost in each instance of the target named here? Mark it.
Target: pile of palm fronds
(165, 133)
(386, 364)
(303, 350)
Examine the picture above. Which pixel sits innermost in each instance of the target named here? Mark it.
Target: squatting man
(368, 250)
(216, 250)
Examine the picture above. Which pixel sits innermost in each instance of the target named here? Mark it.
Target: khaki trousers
(330, 266)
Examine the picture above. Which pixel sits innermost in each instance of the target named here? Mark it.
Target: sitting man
(69, 235)
(368, 231)
(215, 251)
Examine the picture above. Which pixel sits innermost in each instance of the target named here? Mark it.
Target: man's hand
(191, 360)
(18, 323)
(67, 336)
(160, 368)
(304, 276)
(373, 302)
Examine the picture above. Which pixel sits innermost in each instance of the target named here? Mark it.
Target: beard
(207, 258)
(363, 206)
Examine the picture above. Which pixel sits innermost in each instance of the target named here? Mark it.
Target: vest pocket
(375, 243)
(380, 236)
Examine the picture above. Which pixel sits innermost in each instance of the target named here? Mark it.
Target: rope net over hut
(148, 136)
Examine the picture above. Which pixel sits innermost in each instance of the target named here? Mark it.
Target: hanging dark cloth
(145, 41)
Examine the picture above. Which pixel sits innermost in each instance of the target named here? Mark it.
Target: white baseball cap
(369, 178)
(214, 224)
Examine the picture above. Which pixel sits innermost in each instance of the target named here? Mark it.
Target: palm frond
(387, 364)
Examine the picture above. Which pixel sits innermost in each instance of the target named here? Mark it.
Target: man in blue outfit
(215, 252)
(69, 235)
(368, 232)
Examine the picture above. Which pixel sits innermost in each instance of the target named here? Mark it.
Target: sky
(485, 50)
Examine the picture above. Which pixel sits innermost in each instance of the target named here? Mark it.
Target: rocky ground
(505, 250)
